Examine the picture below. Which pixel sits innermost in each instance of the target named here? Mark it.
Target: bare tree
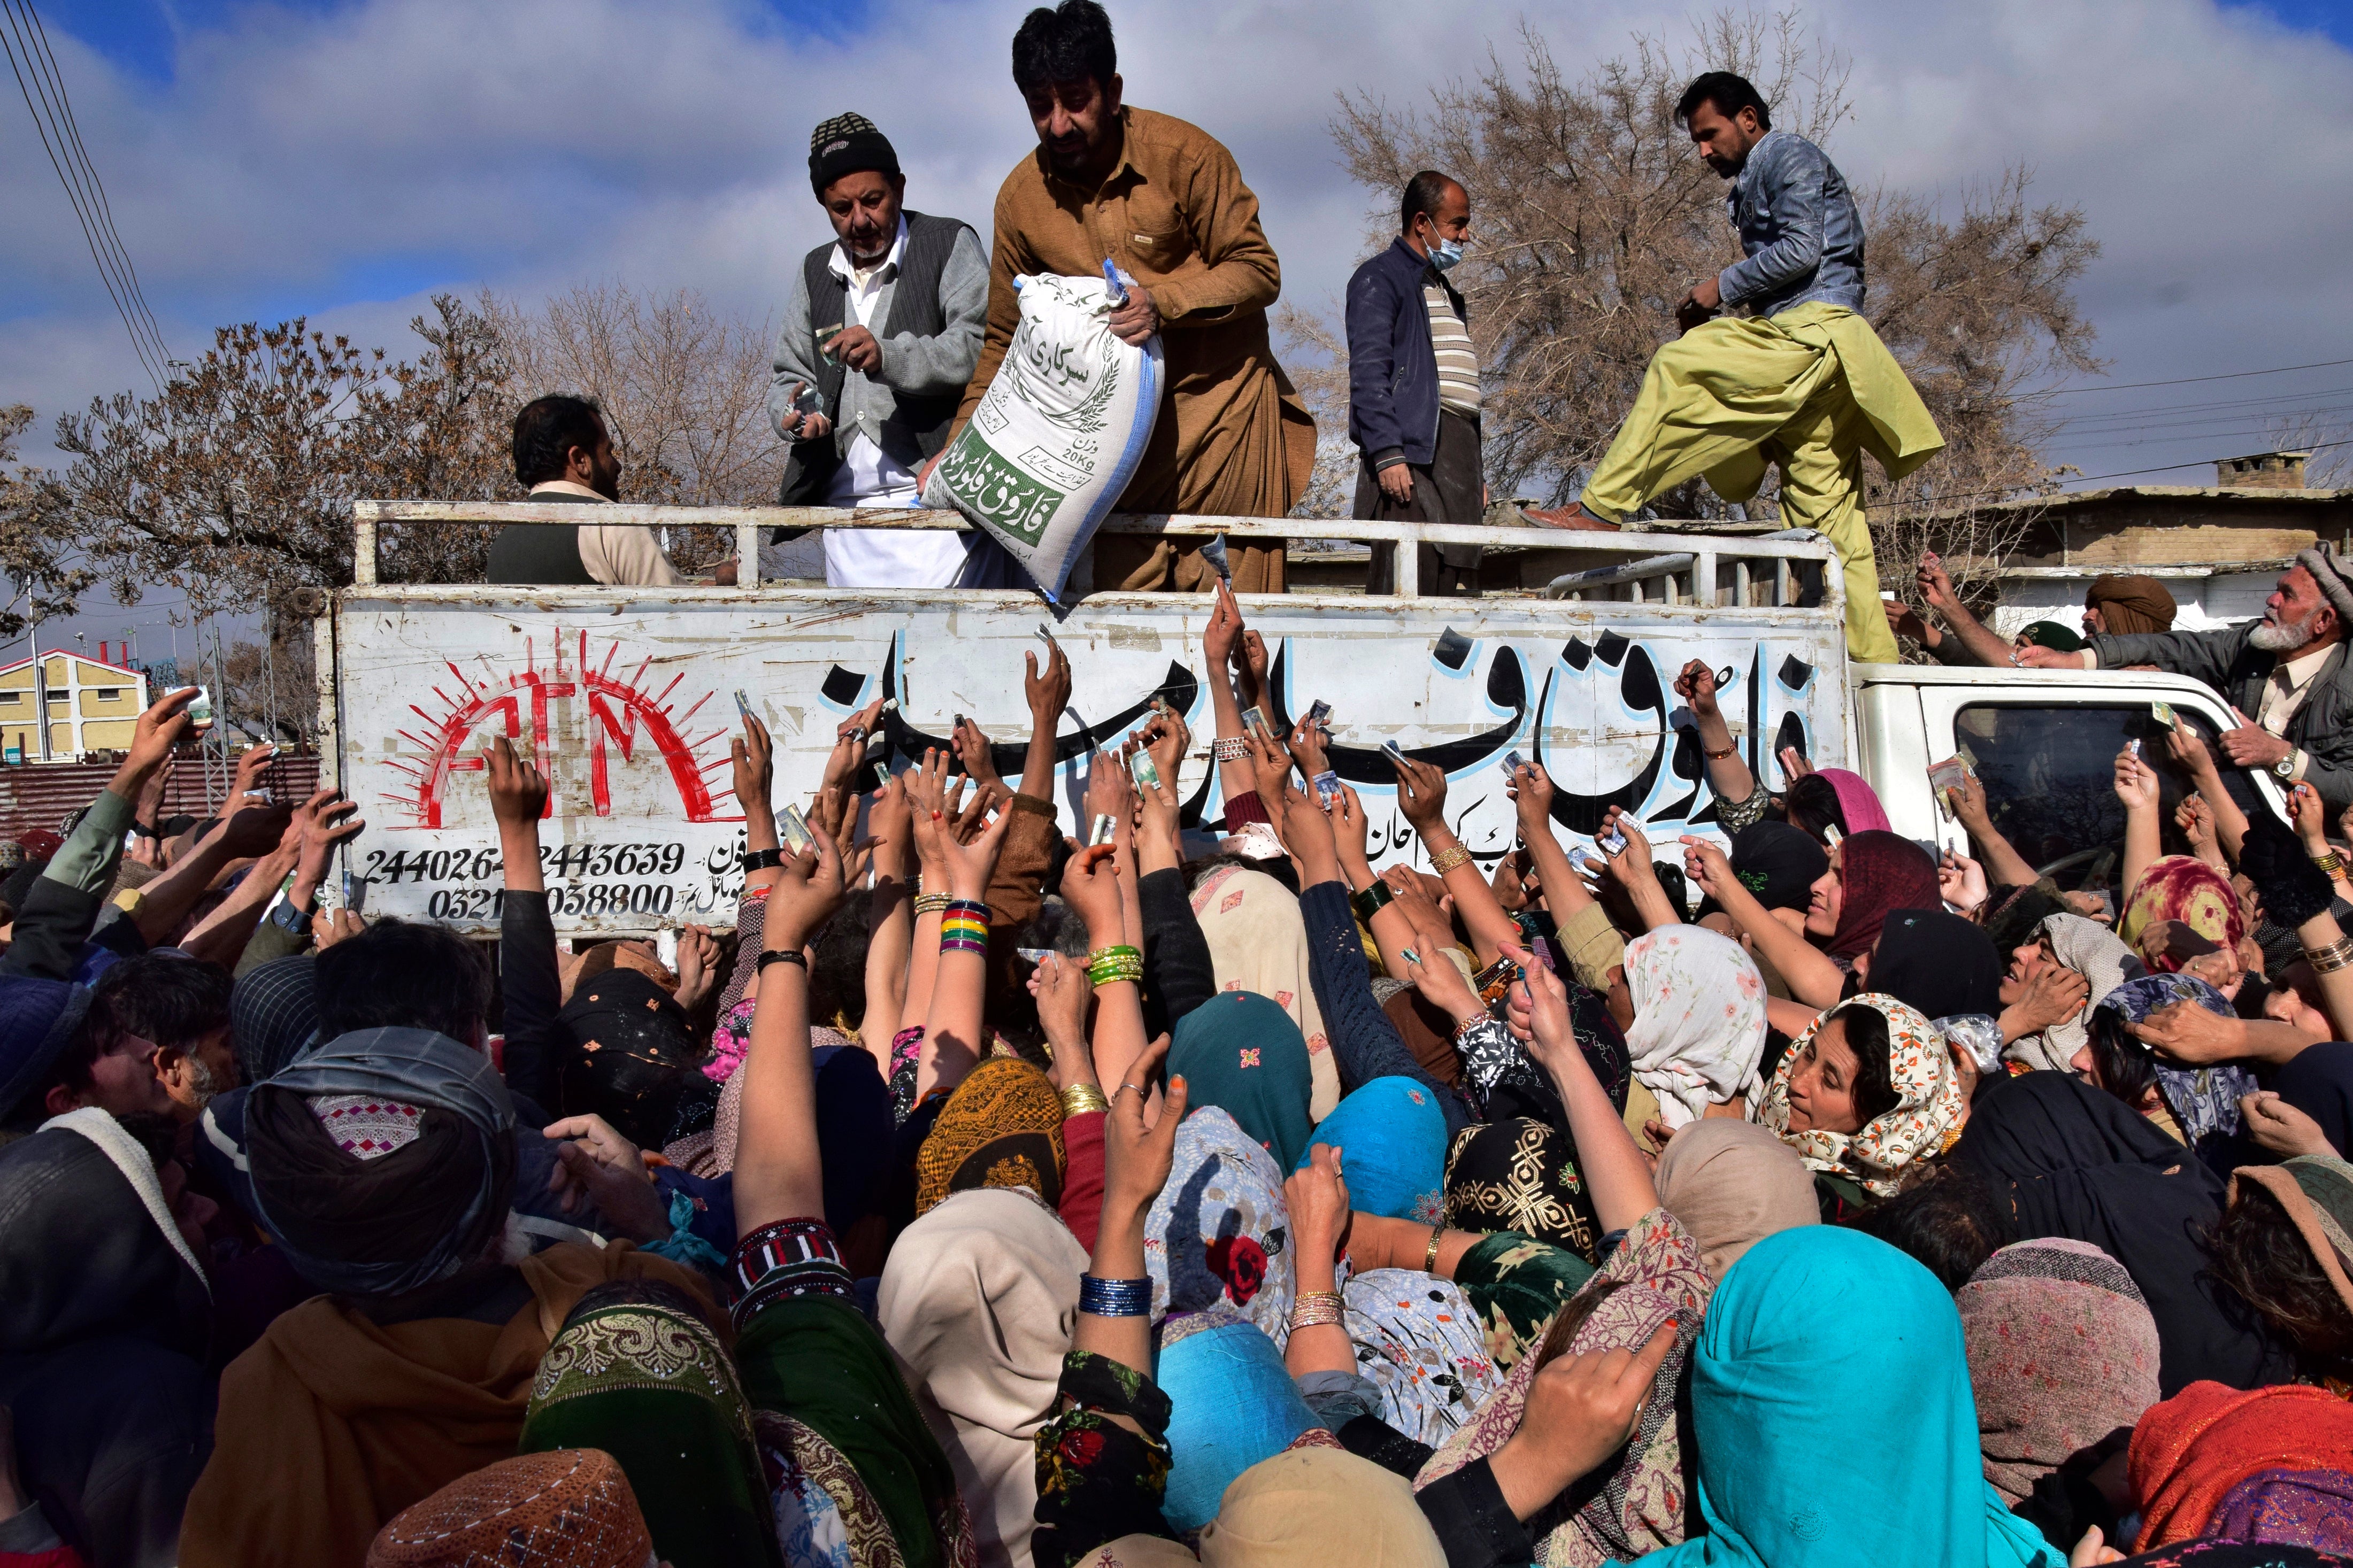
(683, 388)
(37, 552)
(1593, 215)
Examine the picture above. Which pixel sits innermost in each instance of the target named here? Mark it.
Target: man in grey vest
(880, 336)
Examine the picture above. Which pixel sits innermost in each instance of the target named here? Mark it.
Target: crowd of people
(1176, 1192)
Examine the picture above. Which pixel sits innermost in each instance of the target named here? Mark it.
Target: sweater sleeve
(66, 900)
(1017, 892)
(1365, 1044)
(1177, 974)
(528, 977)
(1475, 1525)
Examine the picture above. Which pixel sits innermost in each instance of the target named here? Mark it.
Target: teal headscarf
(1831, 1401)
(1392, 1141)
(1231, 1404)
(1240, 1051)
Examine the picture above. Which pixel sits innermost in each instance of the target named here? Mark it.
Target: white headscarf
(1699, 1018)
(2100, 956)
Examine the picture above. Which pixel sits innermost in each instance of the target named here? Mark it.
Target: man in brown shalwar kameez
(1165, 201)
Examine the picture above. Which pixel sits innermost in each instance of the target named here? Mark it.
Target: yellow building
(93, 706)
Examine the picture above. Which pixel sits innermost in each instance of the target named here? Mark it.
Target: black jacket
(2225, 660)
(1392, 370)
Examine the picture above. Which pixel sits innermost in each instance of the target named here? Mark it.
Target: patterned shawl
(1929, 1107)
(1638, 1504)
(1420, 1342)
(2204, 1100)
(1219, 1231)
(1258, 941)
(2182, 887)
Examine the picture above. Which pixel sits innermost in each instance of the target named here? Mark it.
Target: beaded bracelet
(1081, 1098)
(1444, 860)
(1110, 966)
(1231, 749)
(1114, 1298)
(931, 903)
(1313, 1308)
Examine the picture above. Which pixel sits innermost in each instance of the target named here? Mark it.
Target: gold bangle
(931, 903)
(1444, 860)
(2331, 862)
(1081, 1098)
(1429, 1258)
(2336, 956)
(1315, 1309)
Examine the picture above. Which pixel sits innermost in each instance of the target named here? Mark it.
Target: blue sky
(342, 161)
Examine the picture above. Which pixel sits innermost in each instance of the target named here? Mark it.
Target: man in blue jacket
(1802, 382)
(1413, 386)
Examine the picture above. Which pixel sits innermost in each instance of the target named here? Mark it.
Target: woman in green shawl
(637, 1372)
(853, 1469)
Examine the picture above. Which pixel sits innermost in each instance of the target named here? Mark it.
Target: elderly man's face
(2295, 617)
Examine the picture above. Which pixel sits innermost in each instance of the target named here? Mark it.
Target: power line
(52, 121)
(1939, 500)
(2186, 380)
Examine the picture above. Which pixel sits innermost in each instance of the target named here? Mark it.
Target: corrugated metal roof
(43, 794)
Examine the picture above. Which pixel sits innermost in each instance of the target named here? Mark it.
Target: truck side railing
(1694, 570)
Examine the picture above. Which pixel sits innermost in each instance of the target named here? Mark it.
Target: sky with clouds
(344, 160)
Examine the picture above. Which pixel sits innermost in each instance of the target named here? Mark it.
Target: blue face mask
(1445, 254)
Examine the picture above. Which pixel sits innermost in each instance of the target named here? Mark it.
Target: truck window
(2050, 781)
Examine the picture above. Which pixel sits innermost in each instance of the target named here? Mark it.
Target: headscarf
(2012, 914)
(1392, 1139)
(1779, 863)
(627, 1053)
(1699, 1018)
(1218, 1232)
(1319, 1505)
(1637, 1503)
(1420, 1342)
(1257, 943)
(1240, 1051)
(1929, 1106)
(1858, 802)
(978, 1300)
(2130, 605)
(2074, 1161)
(1730, 1184)
(2204, 1100)
(273, 1015)
(2062, 1353)
(1781, 1478)
(2311, 1508)
(383, 1225)
(37, 1020)
(2182, 887)
(569, 1509)
(2191, 1452)
(2318, 1194)
(637, 1372)
(1232, 1404)
(1001, 1128)
(1938, 963)
(2093, 952)
(1879, 873)
(1520, 1175)
(2051, 635)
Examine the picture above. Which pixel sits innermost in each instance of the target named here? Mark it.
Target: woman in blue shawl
(1834, 1419)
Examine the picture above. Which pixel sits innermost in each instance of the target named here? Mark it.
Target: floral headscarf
(1220, 1230)
(1929, 1105)
(1699, 1018)
(1420, 1342)
(2182, 887)
(2204, 1100)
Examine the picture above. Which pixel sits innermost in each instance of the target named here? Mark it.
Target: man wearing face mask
(1802, 382)
(1413, 386)
(880, 333)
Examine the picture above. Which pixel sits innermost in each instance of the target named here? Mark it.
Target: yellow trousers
(1808, 391)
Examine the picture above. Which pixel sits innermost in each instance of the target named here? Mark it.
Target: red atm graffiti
(622, 715)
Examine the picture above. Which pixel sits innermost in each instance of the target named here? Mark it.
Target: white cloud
(314, 162)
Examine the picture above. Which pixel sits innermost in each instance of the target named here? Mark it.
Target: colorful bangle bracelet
(1110, 966)
(1231, 749)
(972, 907)
(1114, 1298)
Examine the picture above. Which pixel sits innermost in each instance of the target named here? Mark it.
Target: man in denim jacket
(1802, 382)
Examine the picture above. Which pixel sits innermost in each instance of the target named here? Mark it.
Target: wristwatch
(2284, 769)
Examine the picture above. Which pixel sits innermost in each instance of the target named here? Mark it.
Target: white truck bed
(627, 695)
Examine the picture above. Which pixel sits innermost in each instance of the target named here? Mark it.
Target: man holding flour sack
(1164, 201)
(880, 333)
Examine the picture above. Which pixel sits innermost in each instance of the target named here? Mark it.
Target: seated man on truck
(1802, 381)
(564, 453)
(2285, 675)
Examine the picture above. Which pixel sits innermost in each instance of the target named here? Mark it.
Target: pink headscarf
(1858, 803)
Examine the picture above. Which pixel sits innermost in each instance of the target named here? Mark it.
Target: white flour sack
(1058, 434)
